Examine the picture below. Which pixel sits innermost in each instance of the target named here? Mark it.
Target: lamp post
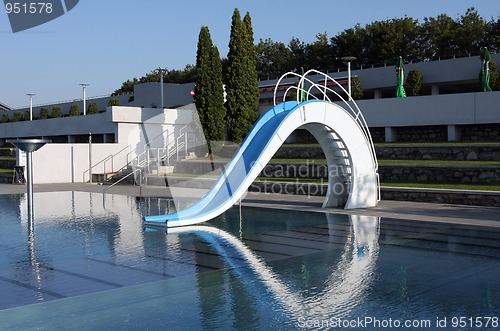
(348, 59)
(30, 95)
(84, 85)
(29, 146)
(161, 70)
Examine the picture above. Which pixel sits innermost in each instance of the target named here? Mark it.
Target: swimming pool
(87, 263)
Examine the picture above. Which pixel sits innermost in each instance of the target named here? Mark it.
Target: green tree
(56, 112)
(298, 54)
(241, 79)
(319, 54)
(208, 91)
(272, 59)
(356, 88)
(414, 83)
(74, 110)
(93, 108)
(18, 116)
(127, 87)
(26, 115)
(5, 118)
(392, 38)
(471, 32)
(113, 102)
(438, 36)
(494, 76)
(350, 42)
(44, 113)
(492, 37)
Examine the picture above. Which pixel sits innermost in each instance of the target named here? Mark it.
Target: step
(8, 152)
(450, 152)
(7, 163)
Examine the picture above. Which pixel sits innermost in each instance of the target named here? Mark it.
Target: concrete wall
(448, 110)
(74, 125)
(174, 95)
(68, 163)
(434, 72)
(102, 103)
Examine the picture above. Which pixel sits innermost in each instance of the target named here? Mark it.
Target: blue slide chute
(234, 174)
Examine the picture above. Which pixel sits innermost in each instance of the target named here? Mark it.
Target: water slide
(340, 131)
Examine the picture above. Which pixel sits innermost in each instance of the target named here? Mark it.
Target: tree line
(381, 42)
(376, 43)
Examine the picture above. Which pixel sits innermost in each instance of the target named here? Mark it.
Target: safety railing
(111, 158)
(125, 177)
(149, 155)
(305, 89)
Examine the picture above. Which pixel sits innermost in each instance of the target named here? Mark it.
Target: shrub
(5, 118)
(44, 113)
(413, 86)
(18, 116)
(494, 76)
(356, 88)
(93, 109)
(114, 102)
(56, 112)
(26, 115)
(74, 110)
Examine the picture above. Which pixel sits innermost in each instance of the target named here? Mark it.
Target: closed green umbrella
(485, 71)
(303, 94)
(400, 91)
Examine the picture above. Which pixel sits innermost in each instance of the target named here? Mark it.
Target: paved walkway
(456, 214)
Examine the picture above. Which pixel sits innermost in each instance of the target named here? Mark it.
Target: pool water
(85, 262)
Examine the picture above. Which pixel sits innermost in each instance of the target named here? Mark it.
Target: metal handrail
(95, 165)
(354, 112)
(168, 151)
(151, 141)
(111, 156)
(123, 178)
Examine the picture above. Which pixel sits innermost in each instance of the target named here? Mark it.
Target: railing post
(177, 148)
(90, 157)
(140, 183)
(158, 162)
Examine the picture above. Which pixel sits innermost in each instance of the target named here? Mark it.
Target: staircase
(7, 163)
(153, 161)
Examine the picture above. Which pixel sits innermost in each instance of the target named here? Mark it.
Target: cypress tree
(414, 83)
(241, 79)
(253, 75)
(208, 91)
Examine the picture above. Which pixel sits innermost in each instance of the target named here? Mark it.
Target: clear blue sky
(106, 42)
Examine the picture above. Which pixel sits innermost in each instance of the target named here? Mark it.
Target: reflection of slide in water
(345, 287)
(341, 136)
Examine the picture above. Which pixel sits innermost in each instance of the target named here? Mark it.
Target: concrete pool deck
(421, 211)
